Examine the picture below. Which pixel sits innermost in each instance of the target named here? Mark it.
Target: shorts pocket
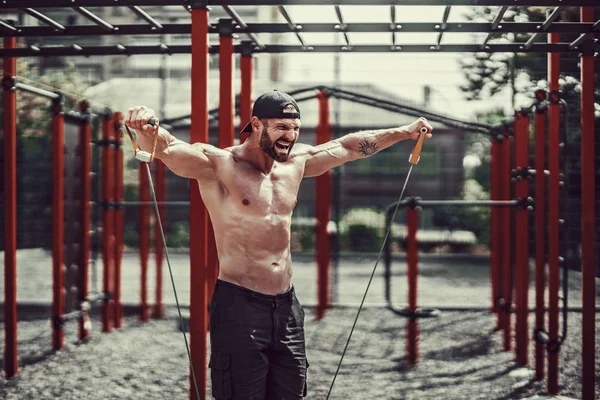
(220, 374)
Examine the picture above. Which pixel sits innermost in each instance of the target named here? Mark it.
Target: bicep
(190, 160)
(322, 158)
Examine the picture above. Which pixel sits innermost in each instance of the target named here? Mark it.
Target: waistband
(252, 295)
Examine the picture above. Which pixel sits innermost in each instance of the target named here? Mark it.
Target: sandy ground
(460, 355)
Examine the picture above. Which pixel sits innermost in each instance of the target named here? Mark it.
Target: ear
(257, 124)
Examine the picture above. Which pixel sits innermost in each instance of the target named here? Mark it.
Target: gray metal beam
(254, 28)
(76, 50)
(14, 4)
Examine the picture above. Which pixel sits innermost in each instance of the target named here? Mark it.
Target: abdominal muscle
(254, 251)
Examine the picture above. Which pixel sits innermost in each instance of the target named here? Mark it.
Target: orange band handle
(415, 155)
(136, 148)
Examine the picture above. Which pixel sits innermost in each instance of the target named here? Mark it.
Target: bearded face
(279, 150)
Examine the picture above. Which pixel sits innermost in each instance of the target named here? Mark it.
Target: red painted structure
(553, 215)
(144, 240)
(540, 226)
(58, 227)
(119, 218)
(522, 238)
(85, 250)
(495, 229)
(505, 256)
(9, 108)
(588, 232)
(412, 272)
(108, 219)
(160, 187)
(323, 190)
(246, 65)
(198, 214)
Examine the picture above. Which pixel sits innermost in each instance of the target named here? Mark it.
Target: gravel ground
(460, 358)
(460, 355)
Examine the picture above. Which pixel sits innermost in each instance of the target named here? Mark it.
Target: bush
(361, 229)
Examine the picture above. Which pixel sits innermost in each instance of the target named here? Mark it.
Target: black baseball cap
(271, 105)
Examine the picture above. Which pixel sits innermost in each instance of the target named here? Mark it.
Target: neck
(252, 153)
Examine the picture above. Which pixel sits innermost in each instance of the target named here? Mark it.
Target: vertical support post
(522, 237)
(58, 228)
(119, 217)
(540, 226)
(495, 229)
(161, 196)
(588, 233)
(144, 240)
(323, 188)
(412, 260)
(226, 133)
(9, 112)
(198, 214)
(246, 67)
(85, 250)
(107, 218)
(505, 236)
(553, 213)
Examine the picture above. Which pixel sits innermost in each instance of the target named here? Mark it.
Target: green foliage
(178, 235)
(361, 229)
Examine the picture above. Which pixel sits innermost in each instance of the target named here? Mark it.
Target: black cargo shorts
(257, 345)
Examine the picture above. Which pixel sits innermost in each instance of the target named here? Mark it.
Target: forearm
(163, 144)
(366, 143)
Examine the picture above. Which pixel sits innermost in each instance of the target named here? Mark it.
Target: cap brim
(247, 128)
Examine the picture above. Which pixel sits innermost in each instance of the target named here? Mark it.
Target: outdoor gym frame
(203, 258)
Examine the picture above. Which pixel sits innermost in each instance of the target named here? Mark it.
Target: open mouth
(282, 145)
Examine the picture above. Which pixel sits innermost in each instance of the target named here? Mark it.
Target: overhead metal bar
(393, 24)
(38, 15)
(544, 27)
(342, 26)
(444, 25)
(254, 28)
(14, 4)
(8, 27)
(238, 20)
(145, 16)
(291, 25)
(495, 25)
(94, 18)
(75, 50)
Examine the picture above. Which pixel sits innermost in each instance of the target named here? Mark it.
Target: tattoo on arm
(367, 148)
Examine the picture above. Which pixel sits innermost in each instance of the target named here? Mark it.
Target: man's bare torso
(251, 213)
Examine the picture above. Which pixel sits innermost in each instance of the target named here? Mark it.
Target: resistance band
(146, 158)
(414, 158)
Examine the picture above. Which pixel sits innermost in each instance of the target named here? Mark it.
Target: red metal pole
(522, 239)
(323, 188)
(107, 221)
(160, 186)
(144, 241)
(9, 112)
(119, 217)
(58, 228)
(540, 227)
(226, 133)
(505, 236)
(494, 229)
(588, 233)
(246, 65)
(86, 221)
(553, 213)
(198, 214)
(412, 264)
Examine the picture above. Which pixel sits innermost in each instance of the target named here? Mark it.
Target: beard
(268, 146)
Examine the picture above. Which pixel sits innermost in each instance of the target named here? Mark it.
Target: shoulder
(210, 150)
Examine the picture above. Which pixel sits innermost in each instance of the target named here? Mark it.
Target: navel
(245, 202)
